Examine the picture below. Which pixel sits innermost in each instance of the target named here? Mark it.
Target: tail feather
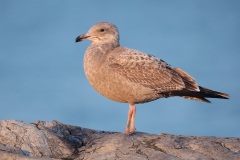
(212, 94)
(202, 99)
(193, 91)
(200, 95)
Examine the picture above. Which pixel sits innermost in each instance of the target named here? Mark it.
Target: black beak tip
(78, 39)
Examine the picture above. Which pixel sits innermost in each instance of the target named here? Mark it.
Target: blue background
(41, 67)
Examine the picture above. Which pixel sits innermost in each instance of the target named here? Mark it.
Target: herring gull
(130, 76)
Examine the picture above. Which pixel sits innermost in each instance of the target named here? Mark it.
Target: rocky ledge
(54, 140)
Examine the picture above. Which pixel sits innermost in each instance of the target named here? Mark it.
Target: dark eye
(102, 30)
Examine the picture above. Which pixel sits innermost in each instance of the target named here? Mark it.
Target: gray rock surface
(54, 140)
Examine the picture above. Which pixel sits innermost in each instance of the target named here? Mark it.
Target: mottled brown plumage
(126, 75)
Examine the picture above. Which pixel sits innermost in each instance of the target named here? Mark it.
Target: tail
(195, 92)
(203, 94)
(213, 94)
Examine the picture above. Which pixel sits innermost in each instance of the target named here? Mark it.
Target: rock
(54, 140)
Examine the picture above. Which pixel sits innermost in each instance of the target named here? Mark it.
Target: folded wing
(149, 71)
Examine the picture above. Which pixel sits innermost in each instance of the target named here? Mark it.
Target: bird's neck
(98, 53)
(104, 48)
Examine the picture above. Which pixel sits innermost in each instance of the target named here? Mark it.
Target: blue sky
(41, 67)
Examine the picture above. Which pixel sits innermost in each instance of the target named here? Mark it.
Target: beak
(81, 38)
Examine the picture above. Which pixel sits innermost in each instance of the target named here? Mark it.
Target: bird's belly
(116, 88)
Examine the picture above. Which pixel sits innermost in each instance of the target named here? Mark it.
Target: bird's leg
(128, 120)
(130, 128)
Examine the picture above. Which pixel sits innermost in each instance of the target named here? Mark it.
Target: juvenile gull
(130, 76)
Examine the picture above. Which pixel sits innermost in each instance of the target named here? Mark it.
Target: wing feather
(145, 70)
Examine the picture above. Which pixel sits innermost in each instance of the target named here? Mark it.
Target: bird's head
(101, 33)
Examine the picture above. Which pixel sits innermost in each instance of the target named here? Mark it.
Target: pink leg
(130, 127)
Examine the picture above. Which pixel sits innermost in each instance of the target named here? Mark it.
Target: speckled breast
(112, 85)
